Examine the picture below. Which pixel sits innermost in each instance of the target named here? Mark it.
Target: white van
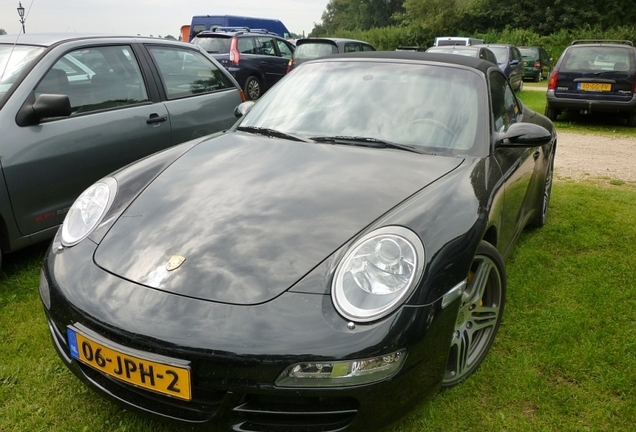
(451, 40)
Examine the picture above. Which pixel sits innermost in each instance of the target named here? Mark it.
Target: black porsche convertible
(333, 259)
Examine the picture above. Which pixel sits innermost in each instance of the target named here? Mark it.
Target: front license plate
(598, 87)
(160, 377)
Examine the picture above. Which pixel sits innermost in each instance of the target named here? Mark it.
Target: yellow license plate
(158, 376)
(600, 87)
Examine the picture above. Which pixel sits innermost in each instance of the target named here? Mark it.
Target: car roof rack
(603, 41)
(236, 30)
(217, 29)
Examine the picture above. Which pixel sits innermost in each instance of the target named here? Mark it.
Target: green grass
(600, 123)
(564, 359)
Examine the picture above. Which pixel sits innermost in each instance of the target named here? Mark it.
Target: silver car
(74, 107)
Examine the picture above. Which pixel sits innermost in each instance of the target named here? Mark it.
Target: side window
(366, 47)
(96, 78)
(246, 45)
(265, 46)
(186, 72)
(285, 50)
(352, 47)
(504, 105)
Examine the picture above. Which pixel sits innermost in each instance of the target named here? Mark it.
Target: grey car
(312, 48)
(74, 108)
(468, 50)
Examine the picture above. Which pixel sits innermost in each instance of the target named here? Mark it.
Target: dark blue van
(208, 22)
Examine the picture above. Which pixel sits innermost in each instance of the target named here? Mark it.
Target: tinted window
(197, 28)
(501, 53)
(504, 104)
(529, 52)
(366, 47)
(265, 46)
(214, 45)
(314, 50)
(284, 49)
(185, 72)
(246, 45)
(598, 58)
(352, 47)
(96, 78)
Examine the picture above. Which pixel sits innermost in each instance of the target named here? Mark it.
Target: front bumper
(589, 105)
(237, 352)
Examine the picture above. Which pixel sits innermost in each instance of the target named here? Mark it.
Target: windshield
(312, 50)
(501, 53)
(599, 58)
(529, 52)
(214, 45)
(14, 59)
(434, 108)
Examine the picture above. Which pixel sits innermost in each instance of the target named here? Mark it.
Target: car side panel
(195, 117)
(55, 161)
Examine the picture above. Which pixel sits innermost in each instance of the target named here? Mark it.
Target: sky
(149, 17)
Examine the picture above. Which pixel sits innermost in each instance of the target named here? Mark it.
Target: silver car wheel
(252, 88)
(479, 315)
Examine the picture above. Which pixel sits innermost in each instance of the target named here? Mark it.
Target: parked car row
(314, 235)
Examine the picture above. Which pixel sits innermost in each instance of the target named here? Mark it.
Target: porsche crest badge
(174, 262)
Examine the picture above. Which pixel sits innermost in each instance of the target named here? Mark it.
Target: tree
(357, 15)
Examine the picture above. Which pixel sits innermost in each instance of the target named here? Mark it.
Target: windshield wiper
(271, 133)
(365, 142)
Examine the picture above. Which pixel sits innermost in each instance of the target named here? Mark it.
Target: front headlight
(377, 273)
(88, 210)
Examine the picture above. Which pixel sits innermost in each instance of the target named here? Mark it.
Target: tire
(253, 88)
(631, 119)
(479, 316)
(542, 209)
(550, 113)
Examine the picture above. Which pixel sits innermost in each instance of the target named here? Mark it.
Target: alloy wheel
(479, 315)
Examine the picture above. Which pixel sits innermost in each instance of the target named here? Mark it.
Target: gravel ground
(595, 157)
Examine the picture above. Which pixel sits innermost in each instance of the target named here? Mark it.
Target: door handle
(155, 118)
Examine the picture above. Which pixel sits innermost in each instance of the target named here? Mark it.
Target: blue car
(257, 59)
(510, 62)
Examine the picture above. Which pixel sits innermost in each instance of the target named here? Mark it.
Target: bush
(389, 38)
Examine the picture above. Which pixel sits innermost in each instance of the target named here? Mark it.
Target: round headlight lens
(87, 211)
(377, 273)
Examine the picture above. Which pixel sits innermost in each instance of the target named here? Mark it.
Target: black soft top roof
(470, 62)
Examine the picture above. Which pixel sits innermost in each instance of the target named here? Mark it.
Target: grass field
(564, 359)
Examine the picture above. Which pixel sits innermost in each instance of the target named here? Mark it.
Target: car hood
(252, 215)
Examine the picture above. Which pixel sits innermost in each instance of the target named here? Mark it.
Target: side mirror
(45, 106)
(243, 109)
(524, 135)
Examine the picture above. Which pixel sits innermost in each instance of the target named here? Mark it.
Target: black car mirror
(524, 135)
(45, 106)
(243, 109)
